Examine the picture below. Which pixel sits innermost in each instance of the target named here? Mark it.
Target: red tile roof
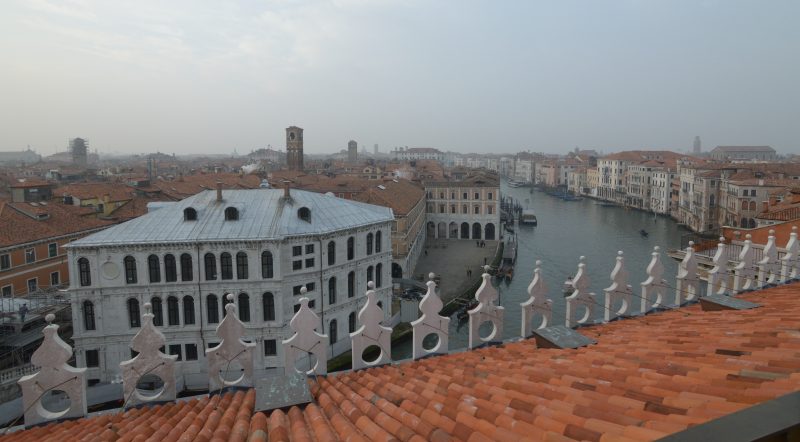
(22, 223)
(645, 378)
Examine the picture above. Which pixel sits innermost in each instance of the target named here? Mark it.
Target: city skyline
(200, 78)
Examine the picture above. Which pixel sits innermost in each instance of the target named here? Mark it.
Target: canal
(566, 231)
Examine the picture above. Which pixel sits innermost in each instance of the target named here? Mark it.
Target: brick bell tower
(294, 148)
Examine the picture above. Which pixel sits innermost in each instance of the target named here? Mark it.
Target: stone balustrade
(306, 351)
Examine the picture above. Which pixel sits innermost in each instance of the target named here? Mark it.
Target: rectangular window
(309, 262)
(5, 261)
(92, 358)
(30, 256)
(296, 290)
(297, 250)
(270, 347)
(55, 278)
(52, 249)
(309, 248)
(175, 349)
(311, 286)
(297, 265)
(8, 291)
(33, 284)
(191, 352)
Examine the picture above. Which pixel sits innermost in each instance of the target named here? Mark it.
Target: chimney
(286, 190)
(219, 191)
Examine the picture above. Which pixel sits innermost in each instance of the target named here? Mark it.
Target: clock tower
(294, 148)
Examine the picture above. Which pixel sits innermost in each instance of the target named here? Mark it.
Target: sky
(195, 76)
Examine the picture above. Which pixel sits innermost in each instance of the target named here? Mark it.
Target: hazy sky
(501, 76)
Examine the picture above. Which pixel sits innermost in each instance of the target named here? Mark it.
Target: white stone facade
(463, 210)
(264, 275)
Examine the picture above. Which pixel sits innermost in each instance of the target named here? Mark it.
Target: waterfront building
(661, 189)
(261, 245)
(418, 153)
(464, 209)
(523, 168)
(615, 175)
(577, 182)
(592, 180)
(744, 153)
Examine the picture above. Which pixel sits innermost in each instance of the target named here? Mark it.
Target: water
(566, 231)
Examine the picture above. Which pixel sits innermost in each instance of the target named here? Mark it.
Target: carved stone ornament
(486, 310)
(230, 348)
(305, 341)
(745, 271)
(150, 360)
(769, 267)
(618, 291)
(54, 375)
(581, 297)
(370, 333)
(654, 288)
(790, 263)
(687, 284)
(719, 276)
(537, 303)
(430, 323)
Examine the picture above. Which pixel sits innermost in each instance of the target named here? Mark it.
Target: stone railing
(13, 374)
(306, 351)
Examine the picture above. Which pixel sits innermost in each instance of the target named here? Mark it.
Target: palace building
(262, 245)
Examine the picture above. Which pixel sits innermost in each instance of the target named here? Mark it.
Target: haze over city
(209, 77)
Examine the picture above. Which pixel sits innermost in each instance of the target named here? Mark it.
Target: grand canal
(566, 231)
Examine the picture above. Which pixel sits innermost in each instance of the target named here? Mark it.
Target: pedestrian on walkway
(469, 273)
(23, 310)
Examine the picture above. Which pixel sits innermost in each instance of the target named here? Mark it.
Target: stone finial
(619, 291)
(305, 342)
(745, 272)
(149, 360)
(769, 268)
(370, 333)
(230, 348)
(687, 287)
(537, 303)
(654, 285)
(486, 310)
(790, 263)
(54, 375)
(430, 323)
(580, 297)
(719, 276)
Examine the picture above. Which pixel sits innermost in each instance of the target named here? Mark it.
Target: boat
(528, 218)
(643, 233)
(515, 184)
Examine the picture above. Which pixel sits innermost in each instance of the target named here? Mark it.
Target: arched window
(351, 284)
(333, 332)
(186, 267)
(244, 307)
(170, 270)
(173, 315)
(268, 304)
(88, 316)
(241, 265)
(188, 310)
(477, 210)
(331, 253)
(134, 318)
(266, 264)
(752, 205)
(351, 248)
(158, 314)
(370, 271)
(378, 241)
(212, 309)
(189, 214)
(351, 322)
(304, 213)
(231, 214)
(378, 275)
(84, 272)
(369, 243)
(226, 265)
(210, 262)
(130, 269)
(332, 291)
(154, 268)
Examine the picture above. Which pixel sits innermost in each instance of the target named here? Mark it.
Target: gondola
(643, 233)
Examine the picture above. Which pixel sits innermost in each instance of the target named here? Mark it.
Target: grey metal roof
(263, 214)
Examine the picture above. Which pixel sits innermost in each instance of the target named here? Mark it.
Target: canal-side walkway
(450, 259)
